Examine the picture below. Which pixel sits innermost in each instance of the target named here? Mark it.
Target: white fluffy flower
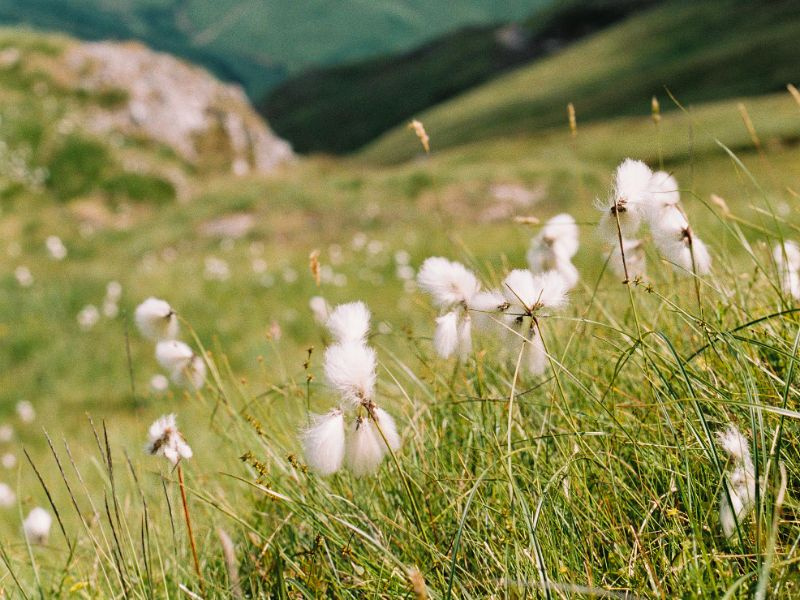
(193, 375)
(557, 239)
(173, 355)
(387, 425)
(323, 442)
(484, 304)
(629, 200)
(526, 291)
(55, 247)
(7, 496)
(36, 526)
(320, 309)
(737, 498)
(159, 383)
(365, 447)
(445, 338)
(88, 317)
(535, 355)
(8, 460)
(23, 276)
(349, 323)
(663, 191)
(6, 432)
(26, 412)
(685, 251)
(156, 320)
(350, 370)
(164, 439)
(447, 282)
(635, 259)
(787, 259)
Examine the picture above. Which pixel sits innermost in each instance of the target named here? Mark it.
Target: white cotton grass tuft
(164, 439)
(534, 354)
(484, 304)
(445, 337)
(350, 370)
(737, 497)
(388, 427)
(320, 309)
(664, 192)
(685, 251)
(349, 323)
(365, 447)
(8, 460)
(324, 442)
(787, 260)
(55, 247)
(553, 248)
(36, 526)
(635, 259)
(447, 282)
(629, 201)
(186, 368)
(26, 412)
(6, 432)
(7, 496)
(159, 383)
(528, 292)
(156, 320)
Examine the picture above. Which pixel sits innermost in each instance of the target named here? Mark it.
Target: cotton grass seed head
(447, 282)
(349, 323)
(7, 496)
(164, 439)
(324, 442)
(350, 371)
(635, 259)
(365, 447)
(526, 293)
(173, 355)
(156, 320)
(36, 526)
(629, 201)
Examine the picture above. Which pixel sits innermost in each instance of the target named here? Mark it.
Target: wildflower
(185, 367)
(365, 447)
(113, 291)
(159, 383)
(349, 323)
(787, 259)
(36, 526)
(7, 496)
(683, 249)
(553, 248)
(320, 309)
(6, 432)
(350, 370)
(23, 276)
(737, 497)
(635, 259)
(55, 247)
(8, 460)
(26, 412)
(165, 440)
(526, 295)
(323, 442)
(156, 320)
(629, 201)
(88, 317)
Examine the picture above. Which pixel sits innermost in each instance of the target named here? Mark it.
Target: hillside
(314, 109)
(258, 44)
(700, 51)
(119, 121)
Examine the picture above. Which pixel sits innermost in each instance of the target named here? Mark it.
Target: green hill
(700, 51)
(259, 43)
(341, 108)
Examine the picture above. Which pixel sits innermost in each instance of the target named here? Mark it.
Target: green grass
(626, 419)
(700, 51)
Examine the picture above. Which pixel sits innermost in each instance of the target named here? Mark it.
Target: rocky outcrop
(157, 96)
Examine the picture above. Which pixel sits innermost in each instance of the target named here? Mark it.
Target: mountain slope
(258, 43)
(341, 108)
(700, 51)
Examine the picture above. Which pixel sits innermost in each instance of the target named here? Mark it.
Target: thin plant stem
(189, 525)
(627, 281)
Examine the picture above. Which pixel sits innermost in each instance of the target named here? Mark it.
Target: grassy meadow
(600, 478)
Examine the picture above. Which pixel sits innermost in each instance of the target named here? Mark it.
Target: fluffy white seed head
(323, 442)
(484, 305)
(525, 291)
(7, 496)
(464, 337)
(787, 256)
(668, 223)
(350, 370)
(635, 259)
(535, 356)
(663, 190)
(173, 355)
(320, 309)
(36, 526)
(735, 444)
(192, 376)
(558, 239)
(164, 439)
(365, 448)
(445, 338)
(447, 282)
(26, 412)
(349, 323)
(156, 320)
(388, 427)
(629, 201)
(687, 252)
(737, 499)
